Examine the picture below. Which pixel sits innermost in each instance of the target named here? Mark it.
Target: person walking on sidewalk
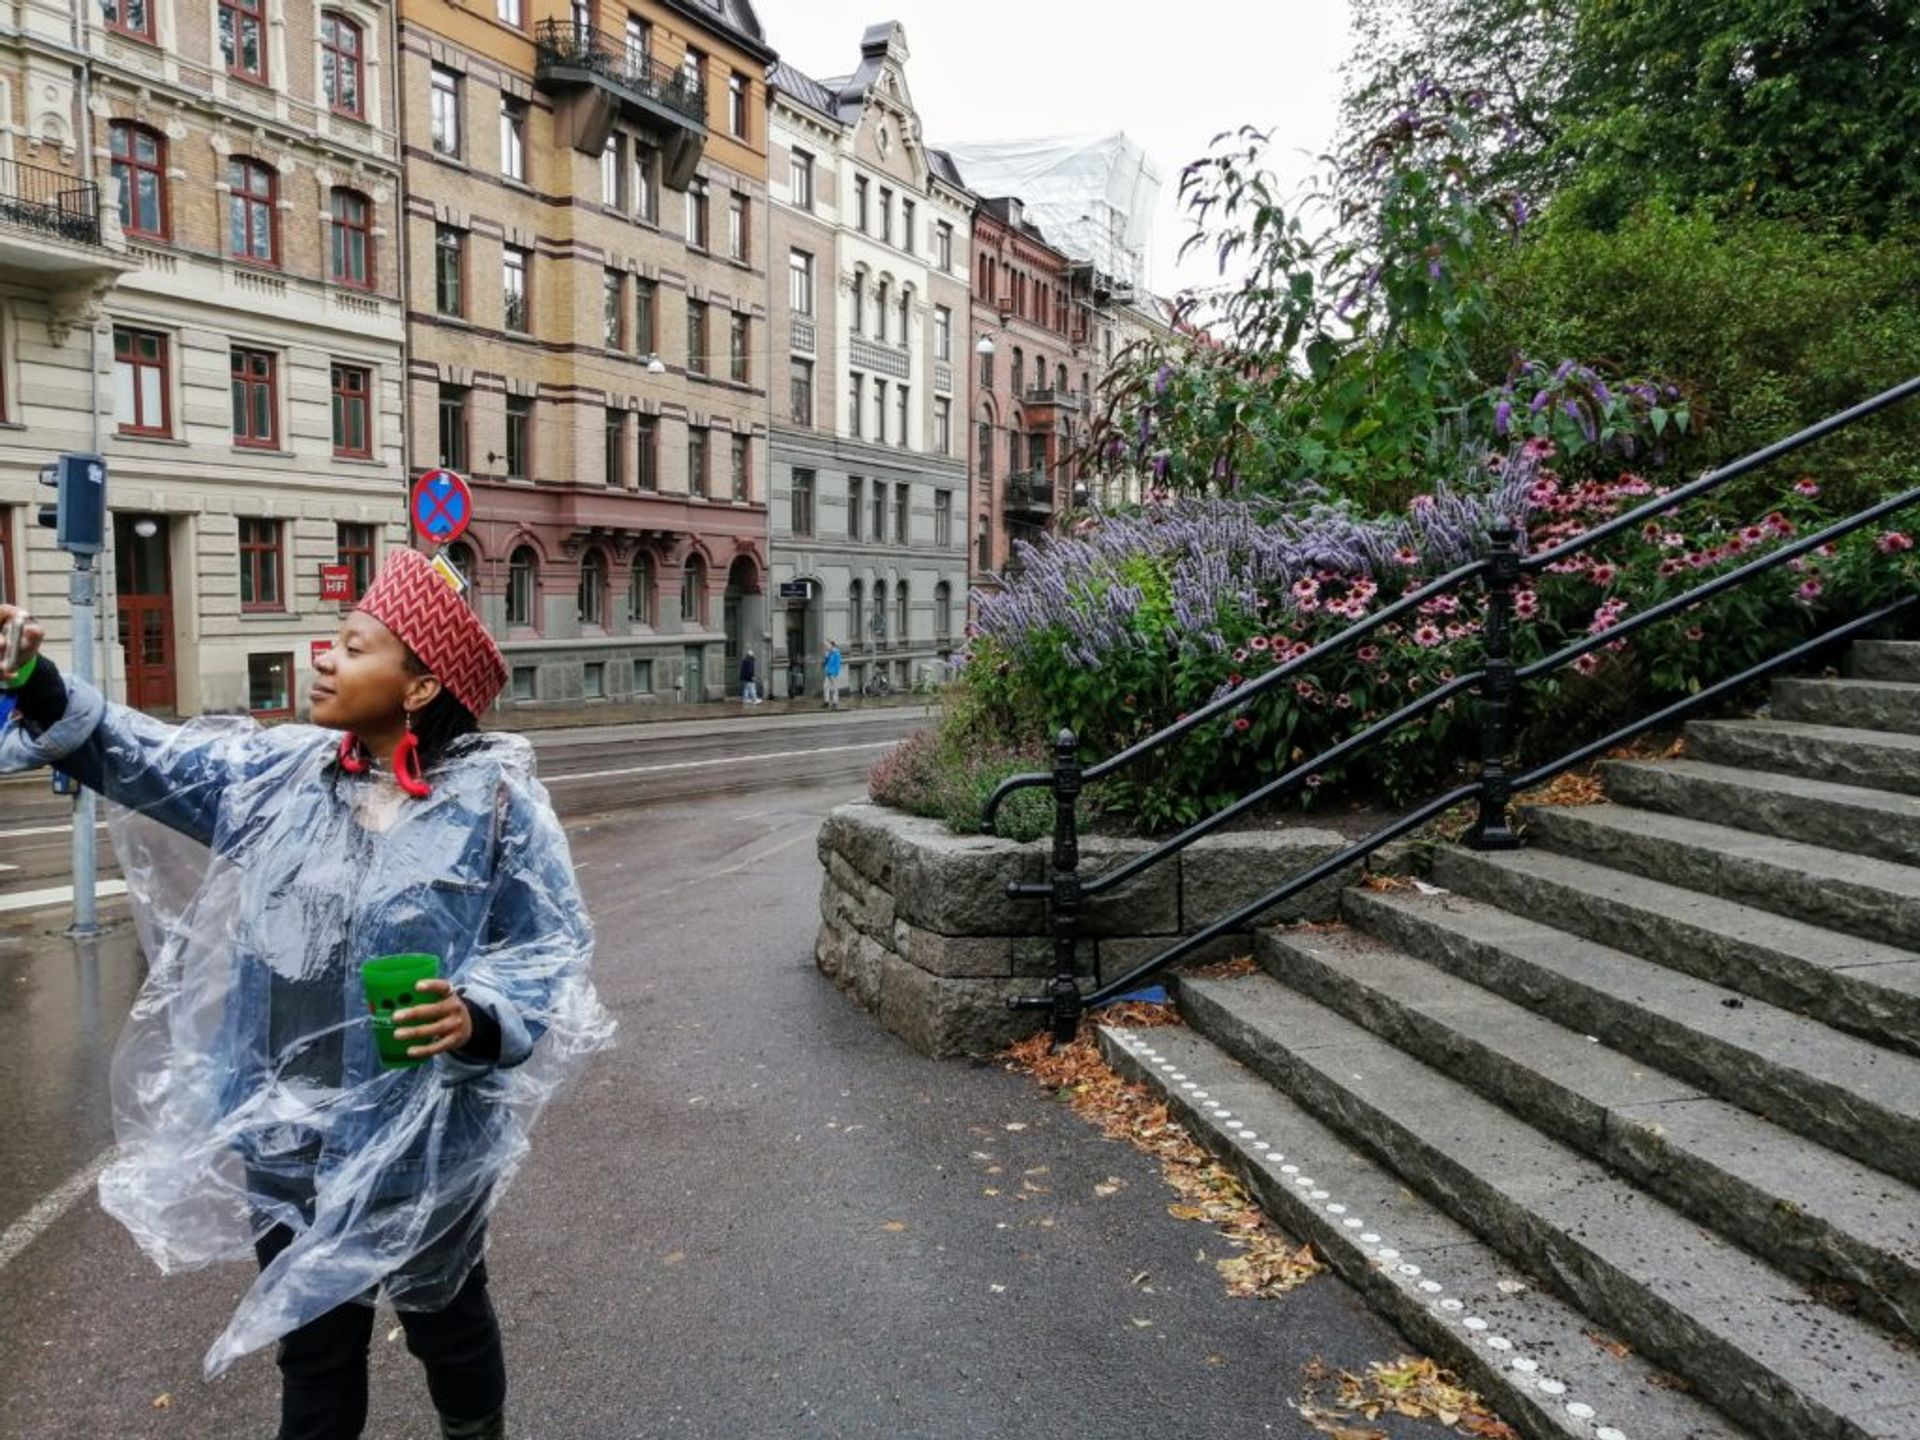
(256, 1113)
(749, 686)
(830, 671)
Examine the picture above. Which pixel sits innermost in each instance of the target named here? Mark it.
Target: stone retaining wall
(916, 925)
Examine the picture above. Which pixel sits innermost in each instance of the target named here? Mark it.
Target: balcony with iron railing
(1030, 492)
(575, 62)
(54, 236)
(49, 202)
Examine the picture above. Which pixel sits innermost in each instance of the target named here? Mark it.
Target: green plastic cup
(389, 982)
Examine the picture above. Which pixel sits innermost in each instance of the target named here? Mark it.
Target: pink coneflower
(1313, 782)
(1810, 588)
(1807, 485)
(1604, 575)
(1752, 534)
(1367, 654)
(1407, 557)
(1240, 657)
(1243, 724)
(1587, 664)
(1306, 587)
(1303, 688)
(1526, 604)
(1343, 701)
(1671, 567)
(1892, 543)
(1427, 636)
(1696, 634)
(1234, 681)
(1258, 643)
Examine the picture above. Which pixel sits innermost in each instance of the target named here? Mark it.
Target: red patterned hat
(419, 604)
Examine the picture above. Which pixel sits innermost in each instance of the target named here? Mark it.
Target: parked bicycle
(877, 684)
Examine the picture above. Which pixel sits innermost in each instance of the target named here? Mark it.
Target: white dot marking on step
(1474, 1322)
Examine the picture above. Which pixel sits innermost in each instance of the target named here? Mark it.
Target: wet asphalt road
(760, 1216)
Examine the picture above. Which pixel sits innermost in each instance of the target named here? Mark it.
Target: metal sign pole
(85, 902)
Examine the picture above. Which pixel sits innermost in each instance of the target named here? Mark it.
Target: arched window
(352, 250)
(856, 613)
(253, 190)
(340, 50)
(859, 311)
(140, 176)
(1060, 379)
(523, 575)
(640, 592)
(943, 614)
(460, 555)
(880, 291)
(693, 592)
(1019, 372)
(592, 599)
(902, 612)
(906, 309)
(877, 627)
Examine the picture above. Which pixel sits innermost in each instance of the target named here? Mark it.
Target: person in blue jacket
(830, 673)
(252, 1112)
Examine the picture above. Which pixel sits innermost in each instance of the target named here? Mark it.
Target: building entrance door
(695, 669)
(143, 597)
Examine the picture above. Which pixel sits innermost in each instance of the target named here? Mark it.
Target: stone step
(1529, 1354)
(1879, 823)
(1885, 660)
(1876, 759)
(1816, 1214)
(1861, 986)
(1874, 899)
(1745, 1336)
(1858, 704)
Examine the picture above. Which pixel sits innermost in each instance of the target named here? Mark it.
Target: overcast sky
(1172, 79)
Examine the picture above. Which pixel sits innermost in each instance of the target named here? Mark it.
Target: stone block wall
(916, 924)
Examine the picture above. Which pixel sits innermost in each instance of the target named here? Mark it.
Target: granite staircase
(1625, 1125)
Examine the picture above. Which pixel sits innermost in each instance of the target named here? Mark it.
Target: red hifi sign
(336, 582)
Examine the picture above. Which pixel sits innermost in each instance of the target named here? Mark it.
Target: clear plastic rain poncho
(247, 1091)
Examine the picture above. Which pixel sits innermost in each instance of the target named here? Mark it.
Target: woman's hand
(30, 639)
(444, 1025)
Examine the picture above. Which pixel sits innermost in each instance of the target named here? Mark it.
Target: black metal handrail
(50, 202)
(584, 47)
(1500, 572)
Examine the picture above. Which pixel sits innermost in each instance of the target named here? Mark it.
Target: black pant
(323, 1364)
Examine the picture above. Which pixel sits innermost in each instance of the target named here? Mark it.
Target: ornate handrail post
(1063, 893)
(1493, 830)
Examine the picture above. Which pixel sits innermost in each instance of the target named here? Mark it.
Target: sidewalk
(635, 712)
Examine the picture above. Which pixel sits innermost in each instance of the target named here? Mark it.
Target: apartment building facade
(587, 230)
(869, 469)
(206, 293)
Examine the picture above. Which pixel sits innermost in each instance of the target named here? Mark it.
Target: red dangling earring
(406, 764)
(353, 759)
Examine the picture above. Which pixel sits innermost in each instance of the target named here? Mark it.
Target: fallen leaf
(896, 1226)
(1016, 1125)
(1142, 1323)
(163, 1401)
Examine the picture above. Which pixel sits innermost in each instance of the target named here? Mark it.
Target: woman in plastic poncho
(250, 1104)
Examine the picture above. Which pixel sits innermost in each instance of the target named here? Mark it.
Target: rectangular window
(646, 473)
(943, 245)
(340, 64)
(453, 427)
(142, 403)
(860, 203)
(878, 527)
(351, 250)
(906, 225)
(354, 545)
(902, 511)
(243, 38)
(613, 308)
(855, 500)
(800, 180)
(643, 677)
(738, 335)
(646, 183)
(449, 270)
(519, 437)
(879, 410)
(942, 333)
(942, 425)
(737, 105)
(646, 317)
(886, 215)
(446, 112)
(514, 314)
(696, 337)
(129, 17)
(983, 440)
(255, 399)
(593, 680)
(697, 460)
(801, 520)
(943, 519)
(139, 171)
(986, 372)
(253, 192)
(616, 449)
(697, 215)
(905, 409)
(270, 684)
(513, 139)
(353, 412)
(856, 394)
(800, 379)
(260, 568)
(525, 681)
(6, 556)
(742, 467)
(693, 73)
(737, 227)
(511, 12)
(613, 173)
(800, 282)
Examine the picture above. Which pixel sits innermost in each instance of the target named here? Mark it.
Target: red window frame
(260, 564)
(341, 45)
(238, 18)
(253, 200)
(114, 17)
(355, 544)
(128, 165)
(351, 238)
(256, 379)
(352, 391)
(127, 350)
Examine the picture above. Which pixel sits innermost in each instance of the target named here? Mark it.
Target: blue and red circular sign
(442, 507)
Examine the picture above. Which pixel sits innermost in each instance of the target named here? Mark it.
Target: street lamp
(984, 345)
(655, 365)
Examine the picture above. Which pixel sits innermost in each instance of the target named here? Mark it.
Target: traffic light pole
(85, 841)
